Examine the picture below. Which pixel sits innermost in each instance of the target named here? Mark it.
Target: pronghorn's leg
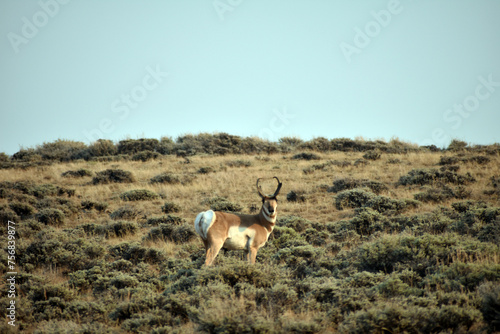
(252, 254)
(247, 254)
(212, 251)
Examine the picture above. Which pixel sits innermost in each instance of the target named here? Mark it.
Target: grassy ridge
(367, 240)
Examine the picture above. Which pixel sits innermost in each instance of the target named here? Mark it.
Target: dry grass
(237, 184)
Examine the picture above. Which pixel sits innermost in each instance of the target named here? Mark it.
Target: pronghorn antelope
(238, 231)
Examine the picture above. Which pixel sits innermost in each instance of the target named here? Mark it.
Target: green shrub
(102, 148)
(368, 221)
(113, 176)
(372, 155)
(287, 237)
(239, 317)
(125, 212)
(51, 217)
(219, 143)
(235, 272)
(306, 156)
(415, 319)
(490, 232)
(133, 146)
(430, 176)
(110, 158)
(206, 170)
(175, 233)
(239, 163)
(457, 145)
(495, 182)
(115, 229)
(477, 219)
(170, 207)
(7, 214)
(304, 261)
(139, 195)
(222, 204)
(361, 162)
(478, 159)
(165, 178)
(353, 198)
(44, 190)
(465, 206)
(394, 161)
(315, 237)
(388, 205)
(489, 294)
(69, 326)
(61, 150)
(88, 311)
(89, 205)
(349, 183)
(434, 222)
(323, 166)
(319, 144)
(66, 206)
(419, 254)
(135, 253)
(460, 276)
(22, 209)
(61, 249)
(77, 173)
(441, 194)
(290, 141)
(26, 155)
(166, 146)
(145, 156)
(447, 160)
(296, 223)
(167, 219)
(296, 196)
(50, 301)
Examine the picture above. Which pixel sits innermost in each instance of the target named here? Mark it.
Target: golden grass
(237, 184)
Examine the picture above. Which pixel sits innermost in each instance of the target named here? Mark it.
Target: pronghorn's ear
(277, 189)
(259, 190)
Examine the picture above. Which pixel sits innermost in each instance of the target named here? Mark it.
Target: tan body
(237, 231)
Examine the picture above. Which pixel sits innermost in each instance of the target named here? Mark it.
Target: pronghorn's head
(269, 203)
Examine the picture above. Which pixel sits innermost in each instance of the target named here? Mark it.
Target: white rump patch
(203, 222)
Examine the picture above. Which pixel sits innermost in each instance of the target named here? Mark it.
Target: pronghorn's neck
(266, 216)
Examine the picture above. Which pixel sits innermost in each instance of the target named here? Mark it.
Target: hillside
(371, 237)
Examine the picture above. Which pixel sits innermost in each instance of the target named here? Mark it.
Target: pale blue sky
(424, 71)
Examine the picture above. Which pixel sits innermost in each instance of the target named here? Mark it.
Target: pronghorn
(238, 231)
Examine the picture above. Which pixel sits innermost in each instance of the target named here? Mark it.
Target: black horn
(277, 189)
(259, 189)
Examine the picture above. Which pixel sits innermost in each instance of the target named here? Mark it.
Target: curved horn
(259, 189)
(279, 187)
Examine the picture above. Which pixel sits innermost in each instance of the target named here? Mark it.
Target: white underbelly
(239, 238)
